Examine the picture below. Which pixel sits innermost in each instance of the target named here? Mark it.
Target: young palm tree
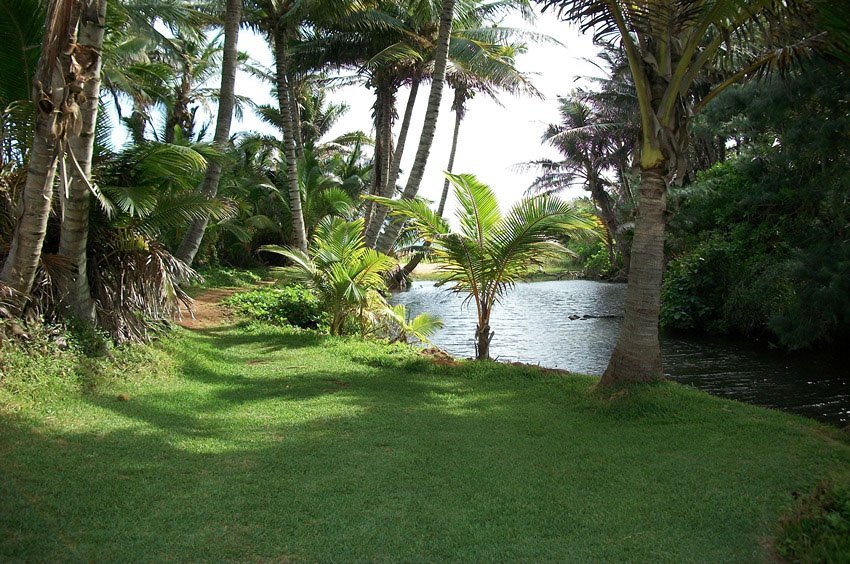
(491, 251)
(340, 268)
(670, 46)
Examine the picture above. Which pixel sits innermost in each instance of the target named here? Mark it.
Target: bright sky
(493, 138)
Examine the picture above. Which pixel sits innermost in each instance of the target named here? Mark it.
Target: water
(533, 325)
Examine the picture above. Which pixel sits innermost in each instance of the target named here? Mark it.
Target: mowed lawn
(261, 444)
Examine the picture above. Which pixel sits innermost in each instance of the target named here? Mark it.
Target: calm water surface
(533, 325)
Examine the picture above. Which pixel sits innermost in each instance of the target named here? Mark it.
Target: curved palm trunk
(459, 114)
(637, 355)
(227, 100)
(54, 103)
(402, 134)
(432, 112)
(74, 232)
(284, 93)
(25, 251)
(411, 265)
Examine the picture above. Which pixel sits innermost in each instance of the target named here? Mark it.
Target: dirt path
(208, 309)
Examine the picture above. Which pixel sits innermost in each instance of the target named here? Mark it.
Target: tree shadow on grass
(271, 340)
(377, 462)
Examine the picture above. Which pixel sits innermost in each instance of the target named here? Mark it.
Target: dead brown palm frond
(137, 287)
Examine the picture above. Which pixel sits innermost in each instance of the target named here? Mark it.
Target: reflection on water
(573, 325)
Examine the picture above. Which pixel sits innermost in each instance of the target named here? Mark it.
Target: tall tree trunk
(373, 229)
(411, 265)
(56, 106)
(432, 112)
(74, 232)
(227, 100)
(402, 134)
(299, 233)
(25, 251)
(383, 161)
(295, 113)
(607, 214)
(637, 354)
(459, 114)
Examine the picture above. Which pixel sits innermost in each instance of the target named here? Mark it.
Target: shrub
(819, 528)
(693, 292)
(288, 305)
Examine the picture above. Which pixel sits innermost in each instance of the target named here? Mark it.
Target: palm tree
(591, 146)
(73, 237)
(429, 127)
(57, 112)
(491, 251)
(284, 22)
(340, 269)
(670, 46)
(491, 70)
(226, 102)
(479, 59)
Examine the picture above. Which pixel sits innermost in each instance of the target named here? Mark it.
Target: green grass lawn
(261, 444)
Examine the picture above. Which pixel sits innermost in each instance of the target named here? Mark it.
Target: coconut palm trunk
(383, 161)
(227, 100)
(373, 229)
(405, 272)
(295, 113)
(284, 94)
(637, 355)
(73, 239)
(56, 111)
(668, 51)
(402, 134)
(607, 215)
(432, 112)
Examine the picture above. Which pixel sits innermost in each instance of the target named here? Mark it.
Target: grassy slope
(257, 444)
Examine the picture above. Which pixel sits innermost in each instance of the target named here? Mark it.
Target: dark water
(533, 325)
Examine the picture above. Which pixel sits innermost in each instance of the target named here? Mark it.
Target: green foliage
(343, 272)
(56, 362)
(695, 286)
(492, 250)
(289, 305)
(420, 327)
(759, 243)
(225, 277)
(819, 528)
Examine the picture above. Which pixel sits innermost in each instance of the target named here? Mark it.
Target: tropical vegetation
(291, 419)
(491, 251)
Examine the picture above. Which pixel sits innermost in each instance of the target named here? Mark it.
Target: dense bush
(758, 245)
(289, 305)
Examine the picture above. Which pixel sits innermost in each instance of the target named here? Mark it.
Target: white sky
(493, 138)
